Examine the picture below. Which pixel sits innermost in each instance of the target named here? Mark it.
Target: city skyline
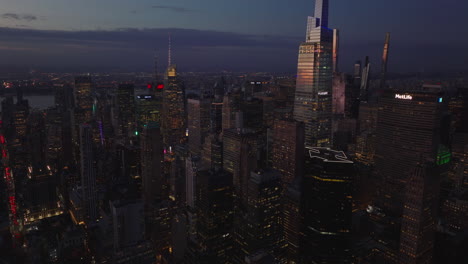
(129, 149)
(41, 35)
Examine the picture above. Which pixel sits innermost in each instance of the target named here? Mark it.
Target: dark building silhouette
(327, 191)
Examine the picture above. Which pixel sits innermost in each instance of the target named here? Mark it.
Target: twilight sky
(261, 35)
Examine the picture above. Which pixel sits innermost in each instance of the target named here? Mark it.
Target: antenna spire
(155, 67)
(169, 55)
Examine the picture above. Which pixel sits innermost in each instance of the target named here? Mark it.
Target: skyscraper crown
(321, 13)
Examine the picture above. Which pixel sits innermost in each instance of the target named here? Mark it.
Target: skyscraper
(215, 212)
(83, 99)
(173, 120)
(313, 98)
(88, 174)
(327, 191)
(151, 163)
(260, 228)
(148, 109)
(287, 154)
(231, 105)
(418, 224)
(292, 220)
(411, 127)
(240, 154)
(198, 123)
(126, 107)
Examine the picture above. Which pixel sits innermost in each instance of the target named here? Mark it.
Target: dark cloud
(24, 17)
(134, 48)
(199, 50)
(173, 8)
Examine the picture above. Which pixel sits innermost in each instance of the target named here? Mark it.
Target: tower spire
(336, 45)
(169, 58)
(155, 67)
(385, 60)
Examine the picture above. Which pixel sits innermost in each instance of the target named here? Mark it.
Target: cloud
(24, 17)
(200, 50)
(192, 49)
(173, 8)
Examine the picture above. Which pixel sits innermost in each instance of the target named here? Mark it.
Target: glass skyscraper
(313, 98)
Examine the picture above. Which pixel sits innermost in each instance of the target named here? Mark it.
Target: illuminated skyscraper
(313, 98)
(412, 126)
(409, 128)
(173, 120)
(148, 109)
(261, 226)
(83, 99)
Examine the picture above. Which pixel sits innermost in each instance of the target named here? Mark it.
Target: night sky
(257, 35)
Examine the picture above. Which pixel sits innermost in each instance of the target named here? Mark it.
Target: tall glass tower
(313, 98)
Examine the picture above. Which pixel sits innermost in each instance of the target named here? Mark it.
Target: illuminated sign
(149, 86)
(322, 93)
(404, 96)
(160, 86)
(144, 96)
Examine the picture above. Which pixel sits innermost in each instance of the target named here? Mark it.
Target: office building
(240, 157)
(83, 99)
(88, 175)
(419, 220)
(173, 120)
(327, 191)
(287, 153)
(260, 228)
(412, 126)
(313, 96)
(198, 123)
(215, 213)
(126, 109)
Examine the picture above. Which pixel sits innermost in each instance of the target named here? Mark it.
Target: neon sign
(404, 96)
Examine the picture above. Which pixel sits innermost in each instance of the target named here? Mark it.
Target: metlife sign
(404, 96)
